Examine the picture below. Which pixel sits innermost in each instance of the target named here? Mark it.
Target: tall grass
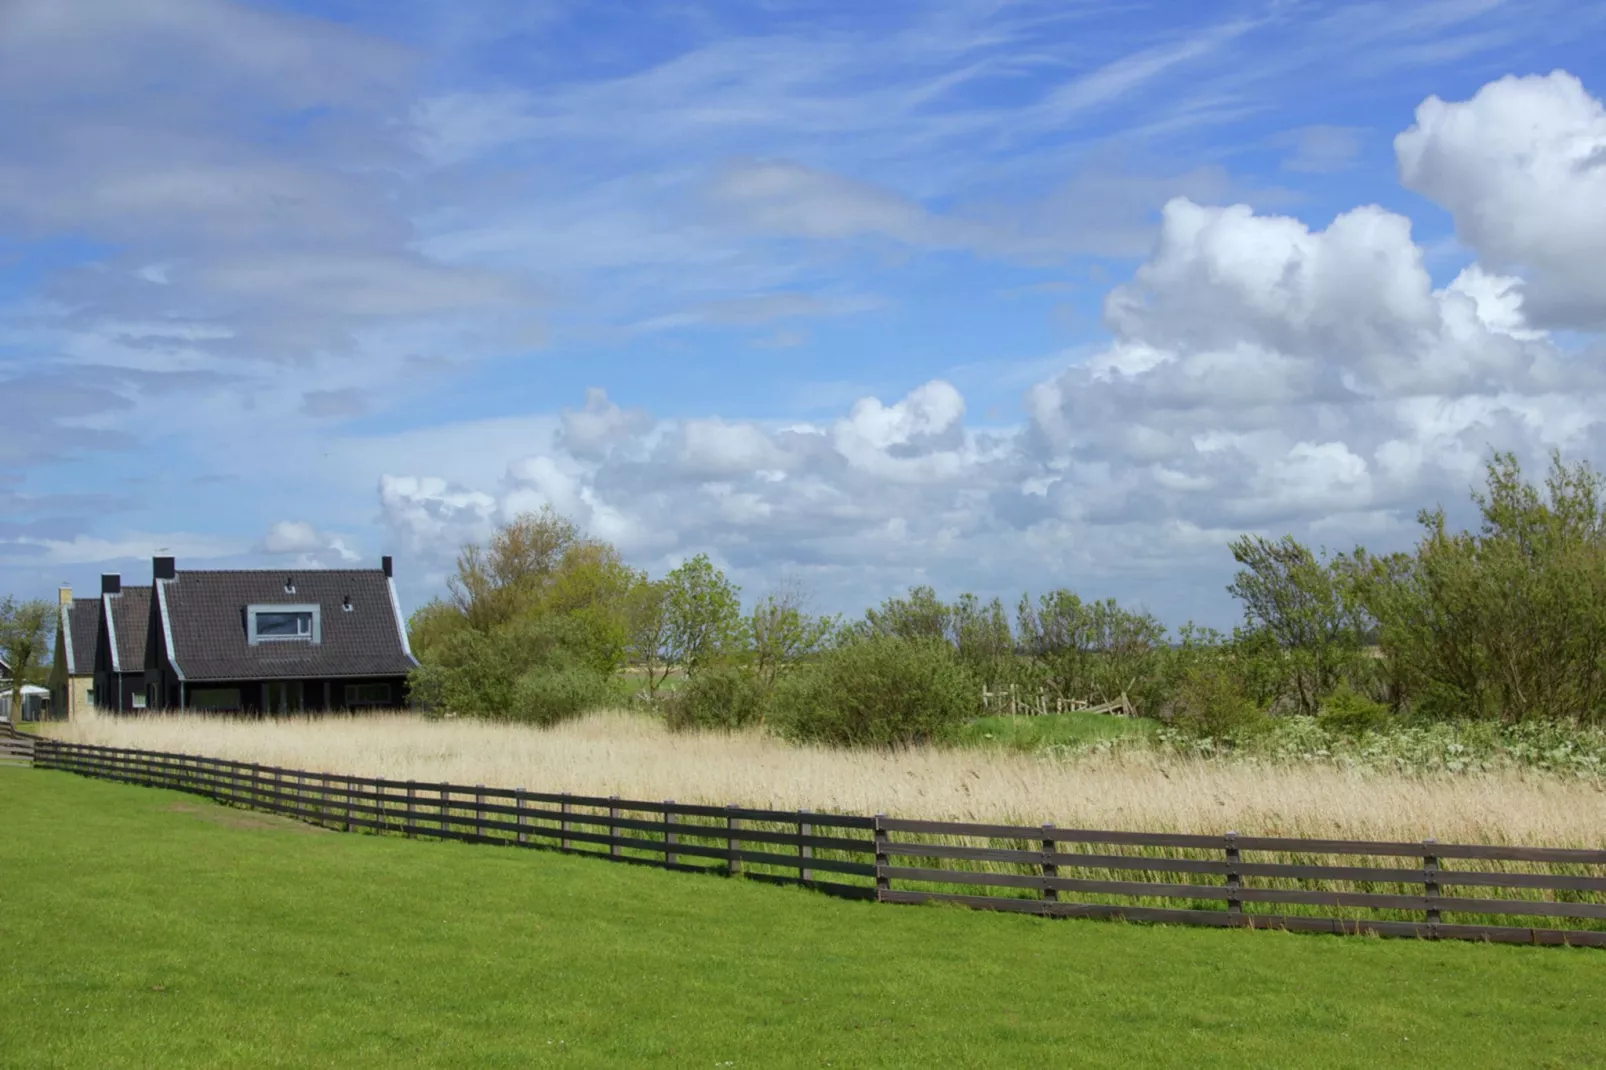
(636, 757)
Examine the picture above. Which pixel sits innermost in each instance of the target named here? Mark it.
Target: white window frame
(313, 608)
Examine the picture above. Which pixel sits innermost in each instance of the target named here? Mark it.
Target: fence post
(613, 829)
(1051, 869)
(348, 802)
(408, 828)
(1235, 907)
(733, 843)
(323, 799)
(446, 809)
(479, 811)
(277, 806)
(519, 836)
(883, 883)
(563, 823)
(670, 839)
(805, 851)
(1430, 884)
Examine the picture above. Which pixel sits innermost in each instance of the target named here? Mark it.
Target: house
(261, 641)
(35, 700)
(122, 627)
(72, 670)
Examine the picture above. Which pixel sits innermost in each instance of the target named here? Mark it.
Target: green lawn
(147, 928)
(1032, 733)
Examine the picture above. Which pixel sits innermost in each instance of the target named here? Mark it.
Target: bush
(1211, 702)
(1348, 712)
(546, 696)
(722, 696)
(879, 690)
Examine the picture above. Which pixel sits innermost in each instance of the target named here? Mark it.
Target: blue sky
(995, 296)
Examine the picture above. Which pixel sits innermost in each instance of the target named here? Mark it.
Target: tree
(496, 582)
(26, 633)
(647, 624)
(1507, 622)
(1092, 650)
(982, 638)
(781, 633)
(704, 611)
(1308, 609)
(921, 615)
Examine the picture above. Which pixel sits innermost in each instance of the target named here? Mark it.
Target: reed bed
(634, 756)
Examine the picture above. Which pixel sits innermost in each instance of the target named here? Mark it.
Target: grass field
(148, 928)
(1031, 733)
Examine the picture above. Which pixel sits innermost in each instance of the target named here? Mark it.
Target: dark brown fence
(16, 748)
(1428, 889)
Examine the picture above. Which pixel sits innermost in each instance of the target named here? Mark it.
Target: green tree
(920, 615)
(982, 639)
(1093, 650)
(781, 633)
(647, 628)
(1508, 621)
(1307, 607)
(704, 611)
(27, 631)
(496, 582)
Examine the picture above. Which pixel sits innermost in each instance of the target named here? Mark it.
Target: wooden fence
(1428, 889)
(16, 748)
(1015, 702)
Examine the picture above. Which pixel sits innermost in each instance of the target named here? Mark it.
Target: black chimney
(163, 568)
(111, 583)
(386, 564)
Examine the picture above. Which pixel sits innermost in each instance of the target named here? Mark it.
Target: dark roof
(81, 628)
(131, 618)
(205, 612)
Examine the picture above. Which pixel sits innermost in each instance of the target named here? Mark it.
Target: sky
(995, 296)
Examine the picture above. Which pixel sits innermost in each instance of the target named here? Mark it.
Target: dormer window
(284, 624)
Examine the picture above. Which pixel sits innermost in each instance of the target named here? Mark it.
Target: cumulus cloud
(1522, 168)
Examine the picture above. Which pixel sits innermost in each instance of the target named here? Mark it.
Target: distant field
(146, 928)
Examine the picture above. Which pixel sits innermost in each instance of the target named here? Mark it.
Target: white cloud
(90, 549)
(1522, 168)
(311, 547)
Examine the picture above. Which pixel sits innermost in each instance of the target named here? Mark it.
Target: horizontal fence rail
(1537, 895)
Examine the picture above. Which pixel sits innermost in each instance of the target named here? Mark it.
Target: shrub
(546, 696)
(1210, 701)
(1348, 712)
(721, 696)
(880, 690)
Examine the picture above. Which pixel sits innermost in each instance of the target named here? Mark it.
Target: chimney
(111, 583)
(386, 564)
(163, 568)
(65, 595)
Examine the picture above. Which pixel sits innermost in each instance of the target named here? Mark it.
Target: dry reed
(636, 757)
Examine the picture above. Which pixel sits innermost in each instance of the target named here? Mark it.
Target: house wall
(71, 696)
(118, 691)
(314, 695)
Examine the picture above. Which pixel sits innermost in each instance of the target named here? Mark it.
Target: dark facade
(271, 642)
(120, 645)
